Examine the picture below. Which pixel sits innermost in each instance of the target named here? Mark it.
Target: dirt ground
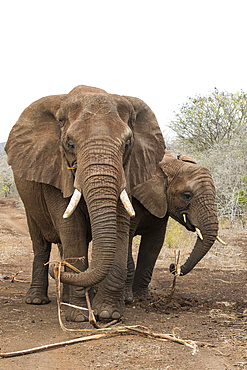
(209, 305)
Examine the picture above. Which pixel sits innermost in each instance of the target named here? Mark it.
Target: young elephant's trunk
(207, 223)
(200, 249)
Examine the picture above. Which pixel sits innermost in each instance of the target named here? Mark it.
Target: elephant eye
(70, 144)
(127, 145)
(187, 196)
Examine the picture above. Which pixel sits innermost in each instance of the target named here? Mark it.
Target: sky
(160, 51)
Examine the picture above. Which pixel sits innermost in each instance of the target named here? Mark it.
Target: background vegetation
(7, 185)
(212, 129)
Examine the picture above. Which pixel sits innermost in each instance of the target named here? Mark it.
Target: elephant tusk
(184, 217)
(220, 240)
(75, 199)
(199, 233)
(127, 203)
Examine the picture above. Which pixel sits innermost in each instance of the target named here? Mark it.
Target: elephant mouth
(184, 220)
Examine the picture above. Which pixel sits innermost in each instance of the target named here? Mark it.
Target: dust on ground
(209, 305)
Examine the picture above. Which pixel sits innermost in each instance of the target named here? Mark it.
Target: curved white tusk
(184, 217)
(199, 233)
(75, 199)
(220, 240)
(127, 203)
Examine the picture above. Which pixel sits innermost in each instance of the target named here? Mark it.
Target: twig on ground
(17, 280)
(113, 322)
(223, 281)
(54, 345)
(74, 306)
(134, 330)
(222, 354)
(172, 338)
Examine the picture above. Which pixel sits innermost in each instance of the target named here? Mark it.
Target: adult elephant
(74, 156)
(183, 190)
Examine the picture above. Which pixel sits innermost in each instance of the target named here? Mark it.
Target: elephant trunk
(208, 225)
(101, 182)
(200, 249)
(205, 219)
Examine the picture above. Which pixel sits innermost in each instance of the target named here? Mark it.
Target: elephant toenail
(116, 315)
(105, 315)
(80, 318)
(28, 300)
(36, 301)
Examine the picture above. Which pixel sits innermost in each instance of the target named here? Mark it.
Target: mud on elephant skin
(180, 189)
(74, 156)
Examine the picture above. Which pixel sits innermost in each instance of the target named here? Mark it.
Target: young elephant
(184, 191)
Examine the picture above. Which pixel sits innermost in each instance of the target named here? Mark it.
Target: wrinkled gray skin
(179, 187)
(97, 143)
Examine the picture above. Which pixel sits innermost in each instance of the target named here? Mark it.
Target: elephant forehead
(99, 105)
(189, 177)
(193, 171)
(94, 103)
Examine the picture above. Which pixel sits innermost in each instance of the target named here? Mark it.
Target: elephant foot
(76, 315)
(106, 307)
(128, 295)
(65, 293)
(141, 293)
(36, 296)
(77, 298)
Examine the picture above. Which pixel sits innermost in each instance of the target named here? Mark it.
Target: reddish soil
(209, 305)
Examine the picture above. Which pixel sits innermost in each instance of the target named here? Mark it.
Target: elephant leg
(150, 246)
(75, 252)
(37, 293)
(108, 302)
(65, 293)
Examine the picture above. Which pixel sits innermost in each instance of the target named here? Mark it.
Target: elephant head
(185, 191)
(89, 143)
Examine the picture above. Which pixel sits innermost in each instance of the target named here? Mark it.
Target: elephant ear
(149, 145)
(33, 146)
(185, 158)
(152, 194)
